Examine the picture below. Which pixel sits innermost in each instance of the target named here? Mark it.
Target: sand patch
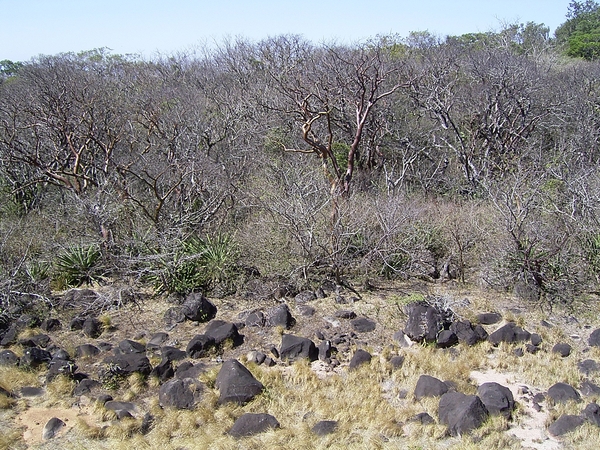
(34, 419)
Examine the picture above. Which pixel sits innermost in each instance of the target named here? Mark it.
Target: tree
(580, 34)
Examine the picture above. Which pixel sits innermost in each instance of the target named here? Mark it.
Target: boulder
(562, 393)
(52, 427)
(509, 333)
(255, 319)
(428, 386)
(58, 366)
(173, 316)
(467, 333)
(497, 399)
(345, 314)
(86, 350)
(446, 339)
(324, 427)
(86, 386)
(397, 361)
(8, 358)
(127, 346)
(489, 318)
(594, 339)
(363, 325)
(222, 331)
(279, 315)
(236, 384)
(163, 371)
(461, 413)
(156, 340)
(35, 357)
(305, 296)
(295, 347)
(198, 308)
(589, 389)
(588, 367)
(92, 327)
(121, 407)
(199, 346)
(562, 349)
(424, 322)
(359, 358)
(565, 424)
(249, 424)
(182, 393)
(592, 414)
(50, 325)
(130, 363)
(189, 370)
(172, 353)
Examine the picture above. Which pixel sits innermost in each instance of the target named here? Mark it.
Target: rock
(255, 319)
(535, 339)
(279, 315)
(305, 297)
(306, 311)
(92, 327)
(163, 371)
(86, 350)
(35, 357)
(199, 346)
(10, 337)
(363, 325)
(359, 358)
(49, 325)
(345, 314)
(38, 340)
(236, 384)
(189, 370)
(562, 349)
(31, 391)
(172, 353)
(85, 387)
(8, 358)
(422, 418)
(397, 361)
(173, 316)
(588, 366)
(562, 393)
(592, 413)
(157, 340)
(198, 308)
(256, 357)
(182, 393)
(76, 323)
(446, 339)
(533, 349)
(222, 331)
(489, 318)
(424, 322)
(58, 367)
(127, 346)
(565, 424)
(249, 424)
(324, 427)
(52, 427)
(467, 334)
(509, 333)
(130, 363)
(402, 339)
(589, 389)
(117, 407)
(594, 339)
(324, 350)
(461, 413)
(295, 347)
(428, 386)
(497, 399)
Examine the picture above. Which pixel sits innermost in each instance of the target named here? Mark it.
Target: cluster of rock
(180, 386)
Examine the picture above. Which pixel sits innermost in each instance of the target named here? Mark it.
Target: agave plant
(78, 265)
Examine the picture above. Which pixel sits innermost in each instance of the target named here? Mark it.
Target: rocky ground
(405, 366)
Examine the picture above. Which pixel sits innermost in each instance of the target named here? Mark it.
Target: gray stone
(461, 413)
(52, 427)
(324, 427)
(359, 358)
(363, 325)
(295, 347)
(428, 386)
(497, 399)
(562, 393)
(563, 349)
(236, 384)
(182, 393)
(198, 308)
(565, 424)
(250, 424)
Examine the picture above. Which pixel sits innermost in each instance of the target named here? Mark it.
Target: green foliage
(580, 34)
(199, 264)
(340, 151)
(78, 265)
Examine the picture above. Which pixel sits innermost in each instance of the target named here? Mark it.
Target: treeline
(472, 158)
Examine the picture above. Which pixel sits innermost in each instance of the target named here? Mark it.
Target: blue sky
(33, 27)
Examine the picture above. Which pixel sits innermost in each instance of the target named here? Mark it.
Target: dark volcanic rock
(222, 331)
(163, 371)
(86, 386)
(305, 296)
(509, 333)
(249, 424)
(35, 357)
(295, 347)
(594, 339)
(127, 346)
(58, 367)
(86, 350)
(8, 358)
(198, 308)
(497, 399)
(130, 363)
(359, 358)
(489, 318)
(157, 340)
(345, 314)
(324, 427)
(589, 389)
(461, 413)
(562, 349)
(52, 427)
(363, 325)
(189, 370)
(592, 413)
(118, 407)
(397, 361)
(255, 319)
(236, 384)
(424, 322)
(50, 325)
(199, 346)
(565, 424)
(172, 353)
(446, 339)
(92, 327)
(428, 386)
(173, 316)
(588, 366)
(279, 315)
(562, 393)
(180, 393)
(467, 333)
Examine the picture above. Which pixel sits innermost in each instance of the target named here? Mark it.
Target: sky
(30, 28)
